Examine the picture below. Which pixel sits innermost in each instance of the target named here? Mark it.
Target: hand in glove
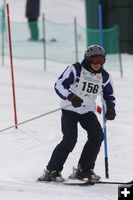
(75, 100)
(110, 113)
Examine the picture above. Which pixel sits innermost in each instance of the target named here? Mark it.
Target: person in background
(32, 14)
(78, 87)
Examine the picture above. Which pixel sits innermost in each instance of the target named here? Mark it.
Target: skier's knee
(69, 144)
(97, 139)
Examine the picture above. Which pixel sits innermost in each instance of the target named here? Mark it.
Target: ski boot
(89, 174)
(51, 175)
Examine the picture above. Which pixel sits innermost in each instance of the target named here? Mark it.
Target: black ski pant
(69, 122)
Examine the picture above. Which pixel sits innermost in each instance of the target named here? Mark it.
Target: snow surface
(24, 152)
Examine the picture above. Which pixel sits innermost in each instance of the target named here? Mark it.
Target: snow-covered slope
(25, 152)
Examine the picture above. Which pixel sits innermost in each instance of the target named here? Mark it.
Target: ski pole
(39, 116)
(105, 141)
(103, 105)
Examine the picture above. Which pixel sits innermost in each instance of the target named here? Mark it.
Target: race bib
(89, 84)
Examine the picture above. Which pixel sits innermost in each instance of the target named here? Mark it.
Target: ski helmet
(94, 50)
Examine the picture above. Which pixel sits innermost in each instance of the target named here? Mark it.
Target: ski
(82, 184)
(89, 183)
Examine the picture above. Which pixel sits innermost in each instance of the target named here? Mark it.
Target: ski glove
(110, 113)
(75, 100)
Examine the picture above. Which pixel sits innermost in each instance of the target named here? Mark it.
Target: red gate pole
(11, 63)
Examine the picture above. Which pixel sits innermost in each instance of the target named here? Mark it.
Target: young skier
(78, 87)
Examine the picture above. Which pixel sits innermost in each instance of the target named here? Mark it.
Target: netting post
(44, 40)
(121, 69)
(103, 103)
(76, 39)
(11, 63)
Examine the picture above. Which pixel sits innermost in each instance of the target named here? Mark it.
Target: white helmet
(94, 50)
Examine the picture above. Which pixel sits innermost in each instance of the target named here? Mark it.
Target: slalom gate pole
(39, 116)
(103, 103)
(3, 33)
(11, 63)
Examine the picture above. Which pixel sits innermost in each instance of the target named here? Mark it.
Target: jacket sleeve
(62, 85)
(108, 91)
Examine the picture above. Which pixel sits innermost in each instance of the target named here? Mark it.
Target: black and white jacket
(87, 84)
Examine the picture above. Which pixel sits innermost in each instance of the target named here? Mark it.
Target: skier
(78, 86)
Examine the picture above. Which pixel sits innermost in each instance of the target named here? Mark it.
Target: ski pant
(69, 122)
(33, 27)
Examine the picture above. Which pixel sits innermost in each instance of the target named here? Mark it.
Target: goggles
(97, 59)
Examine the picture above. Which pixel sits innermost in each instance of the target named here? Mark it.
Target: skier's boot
(84, 174)
(51, 175)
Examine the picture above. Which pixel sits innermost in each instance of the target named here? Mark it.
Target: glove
(110, 113)
(75, 100)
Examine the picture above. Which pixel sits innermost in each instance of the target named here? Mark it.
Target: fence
(64, 43)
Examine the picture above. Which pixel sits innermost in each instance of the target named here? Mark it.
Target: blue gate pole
(103, 103)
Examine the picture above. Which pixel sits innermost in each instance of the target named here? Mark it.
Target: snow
(24, 152)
